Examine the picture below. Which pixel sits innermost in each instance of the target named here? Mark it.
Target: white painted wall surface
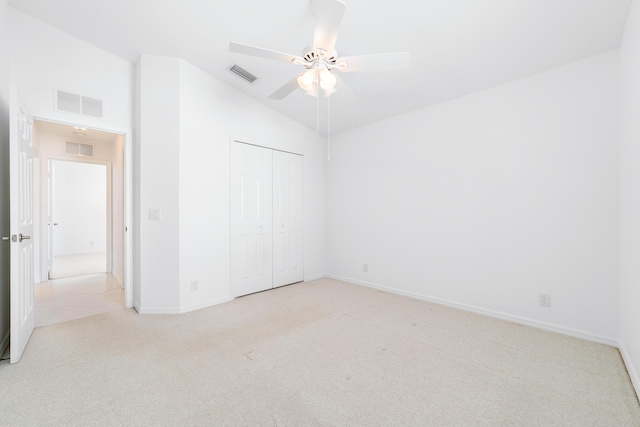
(211, 114)
(80, 208)
(4, 173)
(488, 200)
(630, 196)
(159, 131)
(44, 58)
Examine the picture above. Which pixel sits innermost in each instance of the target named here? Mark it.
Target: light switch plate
(154, 214)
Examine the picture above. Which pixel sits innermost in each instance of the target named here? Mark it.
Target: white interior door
(251, 219)
(288, 225)
(21, 207)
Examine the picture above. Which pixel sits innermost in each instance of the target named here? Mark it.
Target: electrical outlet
(194, 285)
(365, 267)
(545, 300)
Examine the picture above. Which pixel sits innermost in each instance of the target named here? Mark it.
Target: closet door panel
(251, 219)
(288, 176)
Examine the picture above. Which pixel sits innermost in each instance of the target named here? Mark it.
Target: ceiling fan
(321, 60)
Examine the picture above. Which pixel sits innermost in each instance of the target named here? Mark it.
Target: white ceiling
(75, 134)
(457, 46)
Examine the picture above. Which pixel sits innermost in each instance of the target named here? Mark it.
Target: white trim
(182, 310)
(633, 374)
(576, 333)
(316, 277)
(119, 280)
(5, 342)
(206, 304)
(158, 310)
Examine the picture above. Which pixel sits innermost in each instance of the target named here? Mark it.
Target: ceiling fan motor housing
(320, 55)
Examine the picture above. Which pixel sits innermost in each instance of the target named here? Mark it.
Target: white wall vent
(78, 149)
(242, 73)
(91, 107)
(78, 104)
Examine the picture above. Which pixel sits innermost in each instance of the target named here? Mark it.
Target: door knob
(23, 237)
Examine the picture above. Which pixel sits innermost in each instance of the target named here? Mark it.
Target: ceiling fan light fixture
(305, 82)
(327, 79)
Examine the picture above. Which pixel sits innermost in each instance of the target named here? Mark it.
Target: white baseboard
(81, 253)
(633, 374)
(316, 277)
(5, 342)
(576, 333)
(118, 279)
(205, 304)
(182, 310)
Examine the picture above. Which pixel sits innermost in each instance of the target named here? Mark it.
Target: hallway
(74, 298)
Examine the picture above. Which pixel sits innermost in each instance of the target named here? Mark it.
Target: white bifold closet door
(266, 238)
(287, 218)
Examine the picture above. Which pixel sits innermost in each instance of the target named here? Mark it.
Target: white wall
(488, 200)
(4, 173)
(630, 196)
(80, 208)
(211, 114)
(44, 58)
(159, 133)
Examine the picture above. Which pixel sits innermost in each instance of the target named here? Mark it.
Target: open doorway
(79, 207)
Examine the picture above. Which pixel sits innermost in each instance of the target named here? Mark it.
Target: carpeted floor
(317, 353)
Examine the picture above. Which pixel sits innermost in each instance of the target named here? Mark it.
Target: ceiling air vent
(78, 104)
(79, 149)
(241, 72)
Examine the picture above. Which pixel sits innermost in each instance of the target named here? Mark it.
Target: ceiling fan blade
(328, 17)
(285, 90)
(262, 53)
(398, 61)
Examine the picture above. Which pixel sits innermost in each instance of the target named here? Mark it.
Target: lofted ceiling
(457, 46)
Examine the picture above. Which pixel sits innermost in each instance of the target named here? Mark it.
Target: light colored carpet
(79, 265)
(317, 353)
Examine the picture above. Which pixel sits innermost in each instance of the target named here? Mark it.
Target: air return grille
(241, 72)
(78, 104)
(79, 149)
